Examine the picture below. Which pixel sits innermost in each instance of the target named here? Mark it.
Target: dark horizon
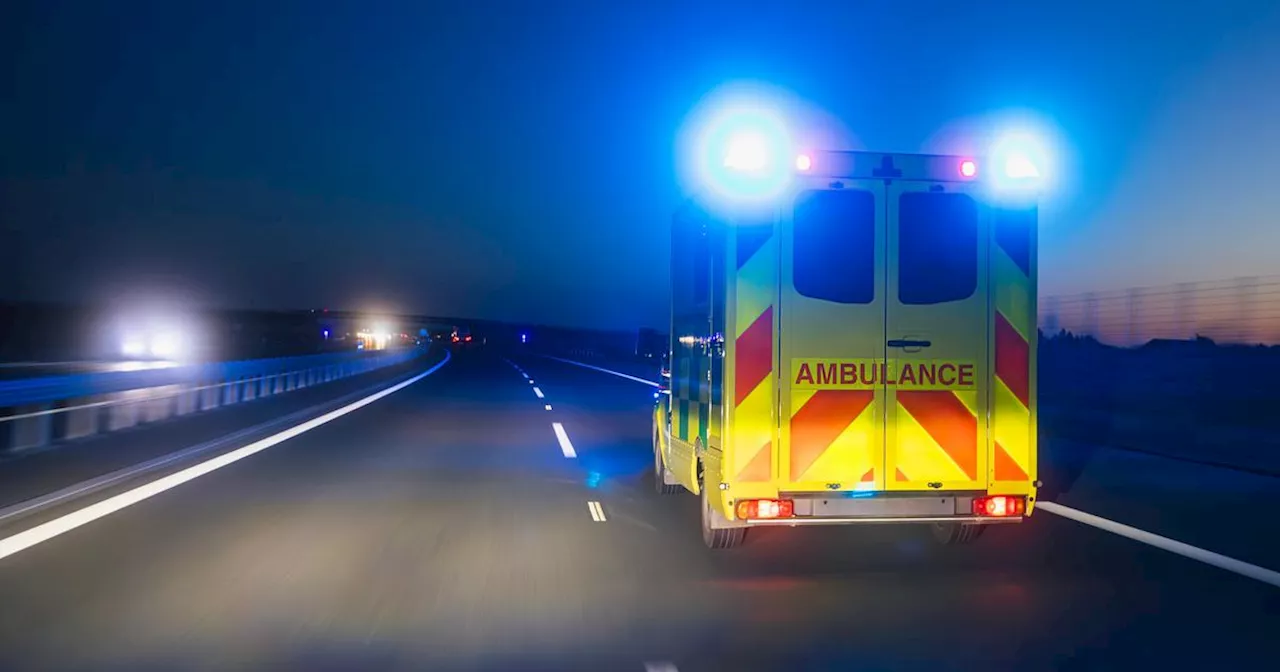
(522, 165)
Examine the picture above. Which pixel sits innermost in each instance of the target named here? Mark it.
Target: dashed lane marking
(597, 511)
(566, 446)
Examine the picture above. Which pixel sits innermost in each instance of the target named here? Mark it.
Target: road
(442, 527)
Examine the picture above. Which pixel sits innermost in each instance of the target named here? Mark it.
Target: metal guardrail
(53, 408)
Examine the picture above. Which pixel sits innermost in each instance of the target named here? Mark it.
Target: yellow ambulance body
(860, 348)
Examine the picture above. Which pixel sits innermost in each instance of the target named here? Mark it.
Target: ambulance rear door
(936, 382)
(831, 338)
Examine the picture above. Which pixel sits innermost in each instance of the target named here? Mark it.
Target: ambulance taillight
(999, 506)
(765, 508)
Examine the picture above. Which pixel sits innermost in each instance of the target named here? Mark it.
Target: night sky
(519, 160)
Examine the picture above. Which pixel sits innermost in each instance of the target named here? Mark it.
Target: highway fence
(1239, 311)
(36, 412)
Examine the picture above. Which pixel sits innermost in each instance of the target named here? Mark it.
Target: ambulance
(858, 347)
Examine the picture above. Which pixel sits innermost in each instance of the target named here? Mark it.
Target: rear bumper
(868, 520)
(883, 508)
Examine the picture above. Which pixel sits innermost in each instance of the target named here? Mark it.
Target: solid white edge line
(48, 530)
(596, 368)
(538, 392)
(566, 446)
(1173, 546)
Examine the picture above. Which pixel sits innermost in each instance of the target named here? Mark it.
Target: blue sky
(519, 160)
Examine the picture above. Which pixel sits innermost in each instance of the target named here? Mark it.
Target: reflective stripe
(820, 421)
(753, 358)
(950, 424)
(753, 385)
(1012, 418)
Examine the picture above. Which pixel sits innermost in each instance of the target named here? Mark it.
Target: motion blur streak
(1186, 550)
(46, 531)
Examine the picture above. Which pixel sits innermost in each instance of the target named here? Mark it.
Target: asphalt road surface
(443, 527)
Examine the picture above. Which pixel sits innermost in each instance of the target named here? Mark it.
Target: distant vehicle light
(999, 506)
(765, 508)
(133, 348)
(165, 345)
(968, 168)
(468, 338)
(804, 162)
(748, 152)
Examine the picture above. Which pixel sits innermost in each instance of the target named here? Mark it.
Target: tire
(660, 472)
(954, 534)
(713, 537)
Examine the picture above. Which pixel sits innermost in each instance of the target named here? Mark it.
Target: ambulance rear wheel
(662, 478)
(951, 534)
(714, 536)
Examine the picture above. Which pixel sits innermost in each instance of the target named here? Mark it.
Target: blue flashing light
(1023, 163)
(746, 154)
(1020, 167)
(593, 480)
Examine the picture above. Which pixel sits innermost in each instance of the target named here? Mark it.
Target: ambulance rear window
(835, 237)
(937, 248)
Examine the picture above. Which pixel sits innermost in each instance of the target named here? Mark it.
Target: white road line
(597, 511)
(548, 407)
(46, 531)
(1186, 550)
(662, 666)
(524, 374)
(538, 392)
(596, 368)
(566, 446)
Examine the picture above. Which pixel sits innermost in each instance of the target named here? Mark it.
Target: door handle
(907, 343)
